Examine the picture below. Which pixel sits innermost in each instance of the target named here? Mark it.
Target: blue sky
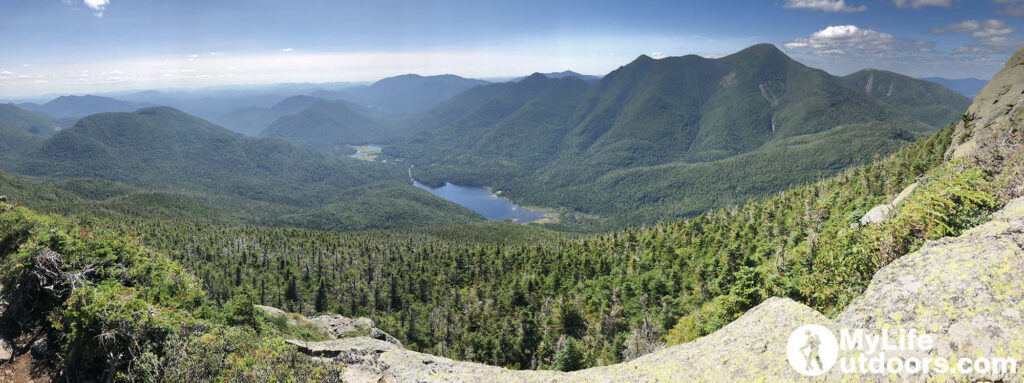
(82, 46)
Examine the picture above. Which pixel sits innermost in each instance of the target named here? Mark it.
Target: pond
(488, 204)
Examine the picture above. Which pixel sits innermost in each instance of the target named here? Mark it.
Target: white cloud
(823, 5)
(98, 6)
(850, 39)
(918, 4)
(658, 55)
(978, 29)
(286, 50)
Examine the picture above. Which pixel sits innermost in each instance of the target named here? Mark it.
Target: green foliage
(120, 312)
(237, 354)
(926, 101)
(570, 356)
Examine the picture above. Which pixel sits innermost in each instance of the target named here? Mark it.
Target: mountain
(326, 125)
(404, 94)
(165, 150)
(564, 74)
(31, 122)
(22, 131)
(81, 106)
(564, 143)
(966, 86)
(925, 101)
(252, 120)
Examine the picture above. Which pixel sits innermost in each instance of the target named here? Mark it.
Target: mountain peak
(763, 51)
(535, 78)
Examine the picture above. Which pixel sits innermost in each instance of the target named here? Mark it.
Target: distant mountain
(926, 101)
(406, 93)
(29, 121)
(256, 180)
(81, 106)
(326, 125)
(562, 142)
(564, 74)
(22, 131)
(253, 120)
(969, 87)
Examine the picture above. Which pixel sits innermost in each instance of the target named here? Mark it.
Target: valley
(668, 218)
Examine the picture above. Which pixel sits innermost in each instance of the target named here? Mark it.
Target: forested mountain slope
(677, 118)
(925, 101)
(260, 181)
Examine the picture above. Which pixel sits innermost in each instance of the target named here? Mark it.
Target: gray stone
(6, 349)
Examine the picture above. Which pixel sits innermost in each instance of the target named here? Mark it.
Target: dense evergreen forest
(519, 296)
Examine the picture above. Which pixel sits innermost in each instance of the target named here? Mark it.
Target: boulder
(6, 349)
(340, 326)
(882, 212)
(379, 334)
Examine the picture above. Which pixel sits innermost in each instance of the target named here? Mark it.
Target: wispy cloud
(824, 5)
(286, 50)
(988, 36)
(978, 29)
(918, 4)
(1013, 7)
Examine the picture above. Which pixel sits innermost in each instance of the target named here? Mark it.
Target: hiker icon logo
(812, 350)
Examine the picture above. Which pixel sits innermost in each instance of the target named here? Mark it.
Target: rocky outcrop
(343, 327)
(992, 125)
(882, 212)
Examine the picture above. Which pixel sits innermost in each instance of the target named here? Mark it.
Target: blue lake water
(482, 201)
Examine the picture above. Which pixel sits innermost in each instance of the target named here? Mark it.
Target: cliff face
(993, 122)
(966, 292)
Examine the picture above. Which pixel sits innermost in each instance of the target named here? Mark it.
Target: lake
(488, 204)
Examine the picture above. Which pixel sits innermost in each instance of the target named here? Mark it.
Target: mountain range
(621, 148)
(265, 181)
(654, 127)
(81, 106)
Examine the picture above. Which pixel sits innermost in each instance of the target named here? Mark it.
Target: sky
(95, 46)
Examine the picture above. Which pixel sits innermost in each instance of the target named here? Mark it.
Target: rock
(292, 318)
(3, 198)
(6, 349)
(379, 334)
(964, 291)
(272, 312)
(340, 326)
(41, 347)
(989, 135)
(882, 212)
